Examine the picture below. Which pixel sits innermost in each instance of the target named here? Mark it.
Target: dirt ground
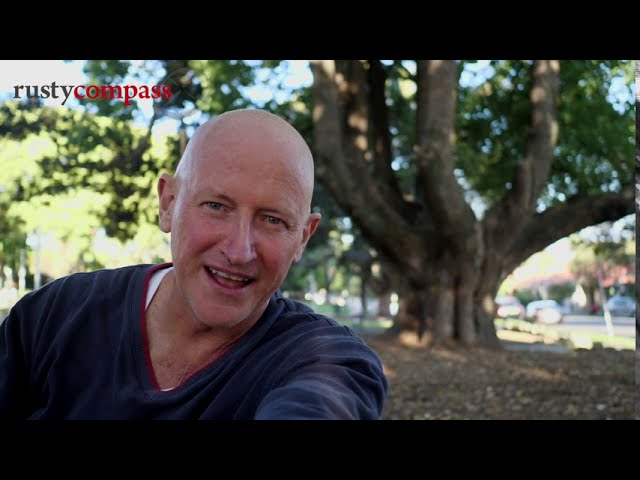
(437, 383)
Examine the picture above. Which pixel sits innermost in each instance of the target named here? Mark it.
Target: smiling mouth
(228, 280)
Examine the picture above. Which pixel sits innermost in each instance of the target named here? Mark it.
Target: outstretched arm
(335, 379)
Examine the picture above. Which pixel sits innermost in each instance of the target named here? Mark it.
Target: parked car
(545, 311)
(509, 307)
(622, 306)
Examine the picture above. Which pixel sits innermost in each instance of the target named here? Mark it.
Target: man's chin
(223, 316)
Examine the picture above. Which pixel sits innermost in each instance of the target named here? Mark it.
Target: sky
(16, 72)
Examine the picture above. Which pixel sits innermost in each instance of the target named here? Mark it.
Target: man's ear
(309, 229)
(166, 195)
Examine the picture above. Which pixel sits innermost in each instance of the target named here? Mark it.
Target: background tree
(71, 174)
(541, 151)
(605, 254)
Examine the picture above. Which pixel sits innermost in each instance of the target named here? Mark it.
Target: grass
(339, 316)
(581, 340)
(381, 324)
(622, 342)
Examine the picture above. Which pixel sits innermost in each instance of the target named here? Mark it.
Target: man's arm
(13, 370)
(341, 379)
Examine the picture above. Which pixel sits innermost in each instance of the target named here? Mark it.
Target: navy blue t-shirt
(74, 349)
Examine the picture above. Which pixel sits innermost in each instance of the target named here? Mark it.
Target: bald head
(258, 136)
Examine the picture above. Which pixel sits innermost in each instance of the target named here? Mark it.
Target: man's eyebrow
(267, 209)
(219, 196)
(209, 195)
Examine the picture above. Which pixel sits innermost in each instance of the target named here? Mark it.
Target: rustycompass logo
(92, 92)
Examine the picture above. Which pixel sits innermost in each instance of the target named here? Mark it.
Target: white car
(509, 307)
(545, 311)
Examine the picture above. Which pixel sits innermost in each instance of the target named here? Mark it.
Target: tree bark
(384, 304)
(363, 294)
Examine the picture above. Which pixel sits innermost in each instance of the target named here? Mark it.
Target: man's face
(237, 221)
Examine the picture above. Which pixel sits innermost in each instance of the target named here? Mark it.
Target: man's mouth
(228, 280)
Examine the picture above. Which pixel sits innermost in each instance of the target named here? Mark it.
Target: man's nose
(239, 247)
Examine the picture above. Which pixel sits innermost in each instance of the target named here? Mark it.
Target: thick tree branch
(382, 155)
(557, 222)
(328, 141)
(345, 175)
(351, 81)
(435, 115)
(532, 171)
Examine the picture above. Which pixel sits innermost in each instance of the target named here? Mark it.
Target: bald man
(207, 336)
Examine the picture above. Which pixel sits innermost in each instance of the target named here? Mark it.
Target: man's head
(239, 215)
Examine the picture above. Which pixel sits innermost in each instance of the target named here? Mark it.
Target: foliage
(590, 156)
(561, 291)
(601, 251)
(525, 295)
(70, 173)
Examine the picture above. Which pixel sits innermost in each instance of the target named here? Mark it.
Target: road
(595, 324)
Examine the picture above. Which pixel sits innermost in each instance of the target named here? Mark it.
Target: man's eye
(273, 220)
(215, 206)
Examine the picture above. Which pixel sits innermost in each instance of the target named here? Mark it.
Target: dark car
(622, 306)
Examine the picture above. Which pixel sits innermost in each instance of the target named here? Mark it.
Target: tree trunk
(328, 274)
(411, 314)
(363, 295)
(456, 307)
(384, 304)
(590, 290)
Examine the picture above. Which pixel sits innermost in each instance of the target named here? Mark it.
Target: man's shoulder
(101, 275)
(81, 282)
(89, 292)
(294, 309)
(299, 320)
(305, 336)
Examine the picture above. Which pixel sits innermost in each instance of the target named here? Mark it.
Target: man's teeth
(228, 275)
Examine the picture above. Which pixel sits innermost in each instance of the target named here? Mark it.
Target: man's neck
(169, 314)
(179, 345)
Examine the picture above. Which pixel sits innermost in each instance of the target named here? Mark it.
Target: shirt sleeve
(20, 333)
(13, 369)
(337, 378)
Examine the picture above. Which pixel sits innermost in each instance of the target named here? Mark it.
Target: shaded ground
(438, 383)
